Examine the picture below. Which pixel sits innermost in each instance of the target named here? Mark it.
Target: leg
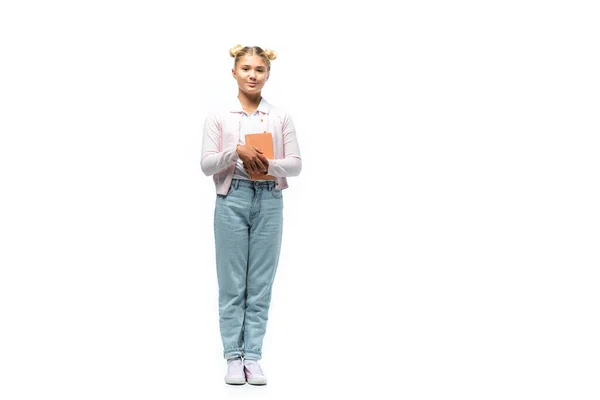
(231, 244)
(263, 257)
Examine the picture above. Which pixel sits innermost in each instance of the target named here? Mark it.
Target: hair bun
(235, 49)
(271, 54)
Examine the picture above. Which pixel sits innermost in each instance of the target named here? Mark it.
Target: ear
(233, 72)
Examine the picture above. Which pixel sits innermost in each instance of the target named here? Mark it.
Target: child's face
(251, 74)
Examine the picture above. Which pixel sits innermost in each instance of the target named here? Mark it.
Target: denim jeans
(248, 226)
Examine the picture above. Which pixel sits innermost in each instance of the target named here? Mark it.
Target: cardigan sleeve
(291, 164)
(213, 158)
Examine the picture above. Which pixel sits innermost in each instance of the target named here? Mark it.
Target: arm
(213, 160)
(291, 164)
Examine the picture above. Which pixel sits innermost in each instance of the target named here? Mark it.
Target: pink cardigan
(221, 136)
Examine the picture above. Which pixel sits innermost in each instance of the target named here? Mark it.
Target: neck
(252, 100)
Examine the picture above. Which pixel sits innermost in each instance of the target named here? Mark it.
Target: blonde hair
(238, 51)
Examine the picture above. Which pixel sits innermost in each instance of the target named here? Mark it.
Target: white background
(441, 241)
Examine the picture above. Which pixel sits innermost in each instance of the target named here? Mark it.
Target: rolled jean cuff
(250, 355)
(232, 353)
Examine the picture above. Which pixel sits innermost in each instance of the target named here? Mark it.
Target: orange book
(264, 142)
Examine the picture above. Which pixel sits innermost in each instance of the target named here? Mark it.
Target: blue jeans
(248, 225)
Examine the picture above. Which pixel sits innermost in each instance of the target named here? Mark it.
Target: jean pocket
(222, 196)
(276, 193)
(231, 188)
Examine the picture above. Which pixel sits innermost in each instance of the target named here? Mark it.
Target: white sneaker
(235, 372)
(254, 373)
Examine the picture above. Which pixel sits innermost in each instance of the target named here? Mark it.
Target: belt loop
(235, 183)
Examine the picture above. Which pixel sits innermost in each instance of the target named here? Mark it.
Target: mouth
(252, 83)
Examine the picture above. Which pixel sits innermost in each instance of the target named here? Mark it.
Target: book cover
(264, 142)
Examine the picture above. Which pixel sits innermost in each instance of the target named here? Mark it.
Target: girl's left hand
(250, 172)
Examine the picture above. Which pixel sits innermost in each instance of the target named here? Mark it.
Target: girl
(248, 214)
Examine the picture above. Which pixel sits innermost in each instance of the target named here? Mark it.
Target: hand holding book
(252, 172)
(253, 159)
(263, 144)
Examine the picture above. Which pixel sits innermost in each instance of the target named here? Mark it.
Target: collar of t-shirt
(236, 107)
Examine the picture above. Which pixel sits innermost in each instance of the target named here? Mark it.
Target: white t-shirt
(254, 123)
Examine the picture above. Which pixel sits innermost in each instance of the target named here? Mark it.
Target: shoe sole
(257, 383)
(233, 382)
